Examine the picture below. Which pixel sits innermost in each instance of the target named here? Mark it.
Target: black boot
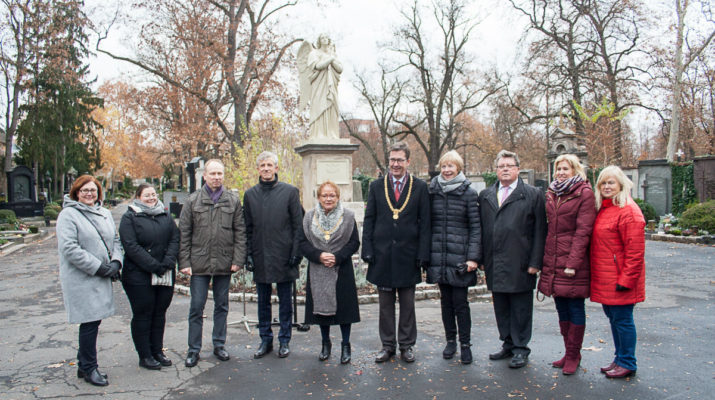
(325, 351)
(449, 350)
(345, 353)
(95, 378)
(465, 353)
(149, 363)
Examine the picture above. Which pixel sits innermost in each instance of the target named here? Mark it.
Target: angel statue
(319, 71)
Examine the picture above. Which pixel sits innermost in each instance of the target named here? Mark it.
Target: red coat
(570, 217)
(618, 254)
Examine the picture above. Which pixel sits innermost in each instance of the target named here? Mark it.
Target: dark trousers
(623, 329)
(514, 315)
(149, 305)
(455, 305)
(571, 310)
(285, 310)
(407, 326)
(344, 331)
(87, 353)
(199, 293)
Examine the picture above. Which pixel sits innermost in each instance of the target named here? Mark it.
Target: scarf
(214, 195)
(563, 187)
(138, 206)
(449, 185)
(326, 222)
(323, 280)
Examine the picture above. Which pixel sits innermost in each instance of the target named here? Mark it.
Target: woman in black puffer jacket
(151, 246)
(456, 250)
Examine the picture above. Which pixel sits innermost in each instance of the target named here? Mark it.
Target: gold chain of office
(396, 213)
(326, 234)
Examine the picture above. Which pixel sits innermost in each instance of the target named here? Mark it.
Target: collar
(401, 180)
(512, 187)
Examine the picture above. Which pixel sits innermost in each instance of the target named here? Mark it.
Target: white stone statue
(319, 71)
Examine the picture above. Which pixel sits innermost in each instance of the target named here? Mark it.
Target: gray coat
(87, 297)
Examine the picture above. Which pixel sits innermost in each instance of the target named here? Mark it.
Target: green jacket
(213, 236)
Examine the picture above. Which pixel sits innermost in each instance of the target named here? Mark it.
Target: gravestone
(194, 173)
(21, 196)
(654, 177)
(704, 177)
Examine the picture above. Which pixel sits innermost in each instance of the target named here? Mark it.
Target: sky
(361, 30)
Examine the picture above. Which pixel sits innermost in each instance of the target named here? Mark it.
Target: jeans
(285, 310)
(199, 293)
(344, 331)
(571, 310)
(87, 353)
(149, 305)
(455, 305)
(623, 330)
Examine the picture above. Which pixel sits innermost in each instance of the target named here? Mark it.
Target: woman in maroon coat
(571, 210)
(618, 265)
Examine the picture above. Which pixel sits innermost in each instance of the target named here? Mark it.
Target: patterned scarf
(565, 186)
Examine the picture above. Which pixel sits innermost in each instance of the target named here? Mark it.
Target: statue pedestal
(327, 160)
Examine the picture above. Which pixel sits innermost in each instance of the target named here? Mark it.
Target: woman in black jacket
(456, 250)
(151, 246)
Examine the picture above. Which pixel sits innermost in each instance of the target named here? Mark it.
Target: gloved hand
(295, 261)
(168, 266)
(620, 288)
(369, 259)
(249, 264)
(107, 270)
(117, 276)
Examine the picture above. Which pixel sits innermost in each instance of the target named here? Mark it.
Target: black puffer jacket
(148, 242)
(456, 234)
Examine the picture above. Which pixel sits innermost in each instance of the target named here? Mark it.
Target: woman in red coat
(571, 210)
(618, 265)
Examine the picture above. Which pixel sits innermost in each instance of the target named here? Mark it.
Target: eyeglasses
(88, 191)
(328, 196)
(397, 160)
(508, 166)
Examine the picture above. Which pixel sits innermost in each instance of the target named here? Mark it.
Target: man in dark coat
(513, 217)
(212, 247)
(274, 218)
(396, 244)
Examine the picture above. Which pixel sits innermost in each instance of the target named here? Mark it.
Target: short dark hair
(81, 181)
(141, 188)
(401, 146)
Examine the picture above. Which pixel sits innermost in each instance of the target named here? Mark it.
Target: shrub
(490, 178)
(8, 216)
(51, 212)
(648, 210)
(701, 215)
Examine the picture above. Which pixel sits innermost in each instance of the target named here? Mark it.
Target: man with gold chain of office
(396, 244)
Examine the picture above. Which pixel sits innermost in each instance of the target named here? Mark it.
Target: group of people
(582, 242)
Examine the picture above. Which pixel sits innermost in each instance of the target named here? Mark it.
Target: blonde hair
(574, 162)
(622, 197)
(453, 157)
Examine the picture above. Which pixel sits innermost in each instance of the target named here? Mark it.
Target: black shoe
(95, 378)
(81, 374)
(345, 355)
(149, 363)
(265, 348)
(221, 354)
(449, 350)
(163, 360)
(192, 358)
(407, 354)
(465, 353)
(283, 350)
(518, 361)
(384, 355)
(501, 354)
(325, 351)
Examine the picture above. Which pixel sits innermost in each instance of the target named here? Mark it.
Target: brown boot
(573, 349)
(564, 325)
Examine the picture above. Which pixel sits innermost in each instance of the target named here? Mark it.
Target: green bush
(701, 215)
(490, 178)
(51, 212)
(8, 216)
(648, 210)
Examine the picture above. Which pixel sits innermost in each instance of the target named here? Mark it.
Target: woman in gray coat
(90, 258)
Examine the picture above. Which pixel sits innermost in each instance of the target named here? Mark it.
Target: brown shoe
(619, 372)
(608, 367)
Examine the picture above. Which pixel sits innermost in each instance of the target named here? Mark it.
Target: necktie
(398, 189)
(504, 194)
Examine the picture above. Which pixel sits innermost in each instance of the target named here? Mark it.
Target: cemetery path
(675, 357)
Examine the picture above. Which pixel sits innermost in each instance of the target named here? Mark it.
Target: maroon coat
(570, 218)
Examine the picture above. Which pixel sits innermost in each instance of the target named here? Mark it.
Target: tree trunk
(677, 83)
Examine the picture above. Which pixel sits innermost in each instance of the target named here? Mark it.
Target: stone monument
(21, 196)
(325, 155)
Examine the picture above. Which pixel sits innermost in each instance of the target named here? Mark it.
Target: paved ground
(675, 349)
